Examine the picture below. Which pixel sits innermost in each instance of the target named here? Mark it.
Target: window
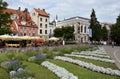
(40, 31)
(21, 34)
(40, 25)
(85, 29)
(40, 19)
(24, 34)
(45, 31)
(81, 28)
(45, 25)
(33, 14)
(45, 20)
(78, 29)
(33, 34)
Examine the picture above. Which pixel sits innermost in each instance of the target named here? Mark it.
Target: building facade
(80, 26)
(41, 18)
(22, 24)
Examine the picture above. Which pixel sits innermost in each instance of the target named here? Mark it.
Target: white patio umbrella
(53, 38)
(5, 37)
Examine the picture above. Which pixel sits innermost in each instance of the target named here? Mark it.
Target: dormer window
(14, 16)
(23, 22)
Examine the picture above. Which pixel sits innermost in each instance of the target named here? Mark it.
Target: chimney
(19, 8)
(43, 9)
(26, 11)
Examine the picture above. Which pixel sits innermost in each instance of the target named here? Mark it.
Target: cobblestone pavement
(114, 53)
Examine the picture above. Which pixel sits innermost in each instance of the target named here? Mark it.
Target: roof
(23, 15)
(12, 11)
(78, 17)
(42, 12)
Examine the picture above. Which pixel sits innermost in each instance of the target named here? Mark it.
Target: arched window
(81, 28)
(85, 29)
(78, 29)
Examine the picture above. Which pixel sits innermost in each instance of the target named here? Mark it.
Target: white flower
(12, 73)
(59, 71)
(90, 66)
(92, 58)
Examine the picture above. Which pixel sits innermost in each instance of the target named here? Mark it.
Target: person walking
(112, 44)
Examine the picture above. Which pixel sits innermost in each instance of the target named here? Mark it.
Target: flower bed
(92, 58)
(92, 54)
(90, 66)
(59, 71)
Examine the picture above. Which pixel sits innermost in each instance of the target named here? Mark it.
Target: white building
(41, 18)
(80, 26)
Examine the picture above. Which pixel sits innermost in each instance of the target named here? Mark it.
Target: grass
(3, 57)
(3, 74)
(82, 73)
(98, 63)
(39, 72)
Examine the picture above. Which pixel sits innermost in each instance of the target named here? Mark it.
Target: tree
(66, 32)
(58, 32)
(115, 31)
(104, 34)
(4, 19)
(96, 27)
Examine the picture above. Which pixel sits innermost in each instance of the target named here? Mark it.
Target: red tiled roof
(41, 12)
(8, 10)
(21, 14)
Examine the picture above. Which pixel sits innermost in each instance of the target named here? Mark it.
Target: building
(41, 18)
(108, 27)
(22, 23)
(80, 26)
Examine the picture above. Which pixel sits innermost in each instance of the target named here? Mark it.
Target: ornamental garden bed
(30, 62)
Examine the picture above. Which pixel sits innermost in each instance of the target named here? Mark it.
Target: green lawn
(82, 73)
(98, 63)
(39, 72)
(3, 74)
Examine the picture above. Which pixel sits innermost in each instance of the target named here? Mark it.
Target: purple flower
(38, 56)
(13, 62)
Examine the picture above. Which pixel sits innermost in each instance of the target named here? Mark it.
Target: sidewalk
(114, 53)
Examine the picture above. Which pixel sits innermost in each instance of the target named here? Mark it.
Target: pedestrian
(112, 44)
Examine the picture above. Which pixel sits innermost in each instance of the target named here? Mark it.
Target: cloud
(106, 10)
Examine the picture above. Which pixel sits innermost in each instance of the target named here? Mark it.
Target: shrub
(70, 42)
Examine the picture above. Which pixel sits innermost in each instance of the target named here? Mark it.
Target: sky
(106, 10)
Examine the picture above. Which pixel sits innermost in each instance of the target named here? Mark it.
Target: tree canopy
(96, 27)
(4, 19)
(104, 34)
(115, 31)
(66, 32)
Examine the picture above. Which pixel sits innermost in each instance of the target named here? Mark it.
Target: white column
(83, 28)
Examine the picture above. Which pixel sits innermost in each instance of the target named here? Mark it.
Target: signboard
(89, 32)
